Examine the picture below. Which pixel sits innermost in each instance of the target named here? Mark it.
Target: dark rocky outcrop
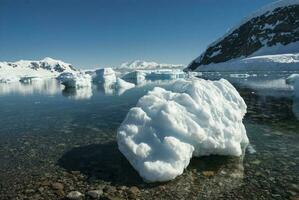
(280, 25)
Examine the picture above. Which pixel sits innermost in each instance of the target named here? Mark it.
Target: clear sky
(98, 33)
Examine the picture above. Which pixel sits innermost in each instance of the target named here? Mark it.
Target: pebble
(256, 162)
(74, 195)
(57, 186)
(109, 189)
(208, 173)
(134, 192)
(95, 194)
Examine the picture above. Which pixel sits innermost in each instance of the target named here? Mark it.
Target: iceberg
(74, 80)
(159, 74)
(194, 117)
(103, 75)
(117, 87)
(294, 81)
(121, 86)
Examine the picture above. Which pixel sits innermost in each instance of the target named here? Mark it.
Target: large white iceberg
(294, 81)
(194, 118)
(75, 80)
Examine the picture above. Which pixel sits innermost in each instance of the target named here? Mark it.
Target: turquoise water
(68, 136)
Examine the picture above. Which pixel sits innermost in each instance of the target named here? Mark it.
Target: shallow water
(49, 135)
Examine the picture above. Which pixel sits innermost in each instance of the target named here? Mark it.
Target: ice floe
(194, 117)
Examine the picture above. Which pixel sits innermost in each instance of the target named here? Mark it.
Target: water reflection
(78, 93)
(47, 87)
(295, 108)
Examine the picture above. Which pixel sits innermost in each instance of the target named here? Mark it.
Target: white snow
(278, 62)
(75, 80)
(46, 68)
(138, 64)
(8, 79)
(195, 117)
(294, 81)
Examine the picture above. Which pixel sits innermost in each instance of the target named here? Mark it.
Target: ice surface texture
(167, 127)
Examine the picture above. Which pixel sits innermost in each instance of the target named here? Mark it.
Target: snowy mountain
(45, 68)
(271, 30)
(138, 64)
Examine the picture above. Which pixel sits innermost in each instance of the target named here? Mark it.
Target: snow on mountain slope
(46, 68)
(278, 62)
(271, 30)
(138, 64)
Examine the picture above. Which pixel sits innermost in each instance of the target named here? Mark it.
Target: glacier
(194, 117)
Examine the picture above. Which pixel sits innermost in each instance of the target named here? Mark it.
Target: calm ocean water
(56, 135)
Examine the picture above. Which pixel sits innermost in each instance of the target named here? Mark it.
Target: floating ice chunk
(103, 75)
(292, 78)
(75, 80)
(294, 81)
(121, 86)
(167, 127)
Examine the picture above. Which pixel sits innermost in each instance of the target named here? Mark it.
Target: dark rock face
(271, 28)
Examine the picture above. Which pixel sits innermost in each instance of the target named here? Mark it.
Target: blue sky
(97, 33)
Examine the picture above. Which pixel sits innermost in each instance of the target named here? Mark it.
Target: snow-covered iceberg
(103, 75)
(195, 117)
(294, 81)
(74, 80)
(118, 87)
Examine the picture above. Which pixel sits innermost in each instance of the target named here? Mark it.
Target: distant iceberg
(103, 75)
(294, 81)
(193, 118)
(75, 80)
(139, 76)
